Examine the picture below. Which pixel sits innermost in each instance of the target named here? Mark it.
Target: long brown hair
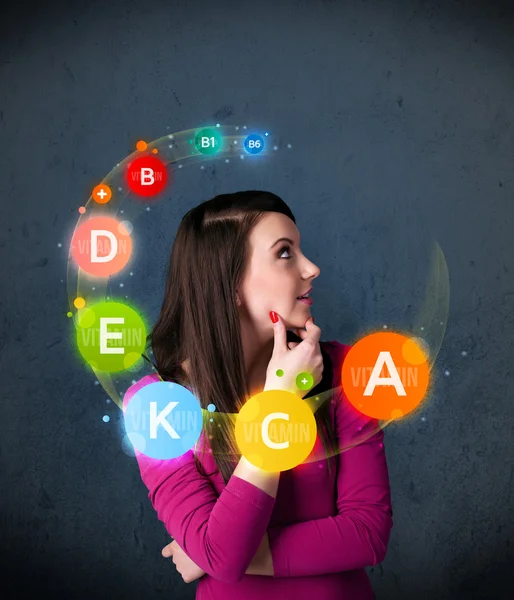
(199, 319)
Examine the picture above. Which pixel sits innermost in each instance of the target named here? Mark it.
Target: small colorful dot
(304, 381)
(79, 302)
(82, 209)
(141, 145)
(154, 151)
(106, 418)
(69, 314)
(280, 373)
(211, 407)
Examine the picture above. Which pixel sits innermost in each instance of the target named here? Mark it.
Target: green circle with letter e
(110, 336)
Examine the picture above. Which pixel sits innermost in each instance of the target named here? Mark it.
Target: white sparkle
(423, 419)
(121, 211)
(170, 145)
(62, 280)
(59, 245)
(217, 124)
(242, 157)
(235, 141)
(440, 323)
(147, 209)
(122, 284)
(245, 127)
(93, 288)
(237, 127)
(289, 146)
(180, 166)
(131, 273)
(275, 147)
(202, 167)
(447, 372)
(384, 326)
(97, 383)
(120, 189)
(422, 328)
(133, 382)
(227, 160)
(464, 353)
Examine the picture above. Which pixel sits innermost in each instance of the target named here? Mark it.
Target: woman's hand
(185, 566)
(294, 357)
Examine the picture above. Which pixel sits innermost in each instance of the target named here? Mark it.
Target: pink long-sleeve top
(323, 529)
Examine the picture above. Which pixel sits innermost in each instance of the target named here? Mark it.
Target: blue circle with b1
(254, 144)
(163, 420)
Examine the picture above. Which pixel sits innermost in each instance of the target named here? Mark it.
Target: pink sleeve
(221, 534)
(359, 534)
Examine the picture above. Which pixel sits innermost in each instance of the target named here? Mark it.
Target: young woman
(243, 533)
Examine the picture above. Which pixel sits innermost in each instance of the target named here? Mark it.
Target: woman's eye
(284, 249)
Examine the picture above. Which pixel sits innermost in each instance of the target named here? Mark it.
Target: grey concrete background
(400, 117)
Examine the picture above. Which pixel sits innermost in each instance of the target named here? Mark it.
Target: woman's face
(277, 273)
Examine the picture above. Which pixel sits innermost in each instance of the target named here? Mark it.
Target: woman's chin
(298, 323)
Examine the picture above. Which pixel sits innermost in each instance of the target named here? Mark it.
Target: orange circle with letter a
(385, 375)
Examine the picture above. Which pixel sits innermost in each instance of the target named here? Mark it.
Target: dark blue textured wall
(400, 118)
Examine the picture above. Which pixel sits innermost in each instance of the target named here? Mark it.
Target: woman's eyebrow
(282, 239)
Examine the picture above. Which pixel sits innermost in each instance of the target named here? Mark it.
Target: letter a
(375, 379)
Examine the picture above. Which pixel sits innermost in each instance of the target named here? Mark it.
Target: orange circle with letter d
(385, 375)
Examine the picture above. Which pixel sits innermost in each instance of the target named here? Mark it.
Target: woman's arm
(262, 563)
(356, 537)
(359, 534)
(264, 480)
(221, 534)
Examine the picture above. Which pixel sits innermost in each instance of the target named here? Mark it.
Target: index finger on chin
(313, 331)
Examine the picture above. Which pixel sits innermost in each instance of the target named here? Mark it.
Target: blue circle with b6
(254, 144)
(163, 420)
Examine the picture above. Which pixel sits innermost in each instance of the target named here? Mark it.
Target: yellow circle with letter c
(275, 430)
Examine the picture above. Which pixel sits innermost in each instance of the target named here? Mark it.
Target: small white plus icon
(102, 193)
(304, 381)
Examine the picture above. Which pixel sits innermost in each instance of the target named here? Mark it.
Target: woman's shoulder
(135, 387)
(335, 349)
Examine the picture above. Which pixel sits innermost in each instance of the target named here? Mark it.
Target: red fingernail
(273, 316)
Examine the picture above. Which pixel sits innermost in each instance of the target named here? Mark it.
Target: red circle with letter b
(147, 176)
